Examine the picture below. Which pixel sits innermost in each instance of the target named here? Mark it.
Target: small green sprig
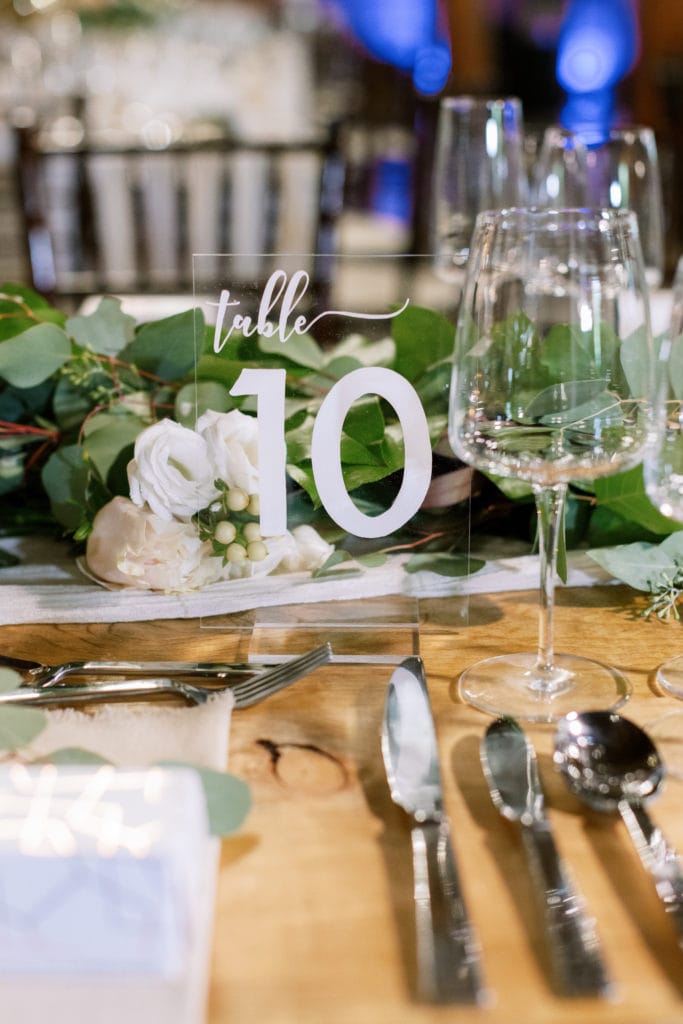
(666, 594)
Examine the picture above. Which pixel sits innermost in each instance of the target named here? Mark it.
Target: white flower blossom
(303, 549)
(232, 441)
(134, 547)
(171, 471)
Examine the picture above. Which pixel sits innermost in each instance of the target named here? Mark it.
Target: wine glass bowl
(618, 171)
(551, 375)
(663, 471)
(478, 164)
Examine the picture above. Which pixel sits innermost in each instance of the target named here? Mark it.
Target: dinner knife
(511, 769)
(448, 956)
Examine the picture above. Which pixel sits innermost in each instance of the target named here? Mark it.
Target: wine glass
(478, 164)
(551, 377)
(617, 171)
(663, 471)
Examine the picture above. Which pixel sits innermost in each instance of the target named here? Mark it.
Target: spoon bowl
(606, 758)
(612, 765)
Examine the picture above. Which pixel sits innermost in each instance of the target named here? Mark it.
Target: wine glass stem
(550, 502)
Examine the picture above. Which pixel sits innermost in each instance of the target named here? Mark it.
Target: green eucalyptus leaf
(19, 725)
(195, 399)
(673, 546)
(638, 564)
(167, 348)
(557, 402)
(352, 451)
(338, 367)
(227, 798)
(65, 479)
(422, 337)
(365, 421)
(357, 475)
(337, 557)
(606, 529)
(106, 436)
(70, 404)
(444, 564)
(19, 294)
(9, 680)
(373, 559)
(301, 349)
(75, 756)
(675, 367)
(572, 354)
(14, 324)
(624, 494)
(636, 362)
(33, 356)
(107, 330)
(302, 474)
(601, 412)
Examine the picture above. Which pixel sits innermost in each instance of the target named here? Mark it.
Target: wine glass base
(670, 676)
(506, 686)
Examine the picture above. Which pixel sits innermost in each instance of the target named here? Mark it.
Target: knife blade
(511, 769)
(448, 956)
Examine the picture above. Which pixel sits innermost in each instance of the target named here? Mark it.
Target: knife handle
(660, 859)
(448, 963)
(575, 957)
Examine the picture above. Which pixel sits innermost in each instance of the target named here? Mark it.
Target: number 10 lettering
(268, 385)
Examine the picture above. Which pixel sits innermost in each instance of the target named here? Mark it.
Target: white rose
(303, 549)
(232, 440)
(171, 471)
(134, 547)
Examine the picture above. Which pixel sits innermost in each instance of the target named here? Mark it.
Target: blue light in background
(598, 45)
(409, 34)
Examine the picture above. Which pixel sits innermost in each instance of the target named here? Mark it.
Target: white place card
(104, 900)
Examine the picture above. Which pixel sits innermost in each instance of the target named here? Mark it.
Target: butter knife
(448, 958)
(511, 769)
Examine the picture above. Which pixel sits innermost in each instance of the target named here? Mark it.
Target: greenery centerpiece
(102, 419)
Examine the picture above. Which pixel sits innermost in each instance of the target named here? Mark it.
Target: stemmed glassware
(663, 472)
(618, 171)
(478, 165)
(552, 377)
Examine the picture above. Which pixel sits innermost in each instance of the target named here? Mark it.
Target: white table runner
(47, 586)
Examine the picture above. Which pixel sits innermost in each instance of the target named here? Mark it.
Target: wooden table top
(314, 915)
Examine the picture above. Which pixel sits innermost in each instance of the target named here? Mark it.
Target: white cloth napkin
(47, 586)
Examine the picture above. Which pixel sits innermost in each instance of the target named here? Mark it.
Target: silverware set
(46, 685)
(608, 761)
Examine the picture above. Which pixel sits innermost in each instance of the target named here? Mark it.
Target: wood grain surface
(314, 915)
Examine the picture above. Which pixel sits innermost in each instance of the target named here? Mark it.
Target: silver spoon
(612, 765)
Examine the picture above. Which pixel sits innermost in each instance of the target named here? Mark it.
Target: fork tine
(253, 690)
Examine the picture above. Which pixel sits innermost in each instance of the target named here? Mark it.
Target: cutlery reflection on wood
(511, 769)
(448, 957)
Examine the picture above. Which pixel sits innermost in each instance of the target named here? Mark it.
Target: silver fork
(35, 673)
(246, 692)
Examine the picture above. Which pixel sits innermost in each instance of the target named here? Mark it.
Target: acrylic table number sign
(325, 398)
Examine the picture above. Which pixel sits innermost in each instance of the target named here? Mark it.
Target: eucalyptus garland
(77, 391)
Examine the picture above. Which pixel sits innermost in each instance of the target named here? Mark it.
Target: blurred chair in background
(128, 220)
